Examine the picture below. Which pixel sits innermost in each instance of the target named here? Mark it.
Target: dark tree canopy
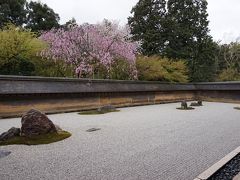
(203, 66)
(41, 17)
(33, 15)
(189, 39)
(146, 25)
(177, 29)
(187, 26)
(18, 66)
(12, 11)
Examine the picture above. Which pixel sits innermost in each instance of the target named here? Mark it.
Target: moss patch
(41, 139)
(238, 108)
(196, 105)
(96, 112)
(188, 108)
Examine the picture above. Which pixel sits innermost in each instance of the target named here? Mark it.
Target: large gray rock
(13, 132)
(36, 123)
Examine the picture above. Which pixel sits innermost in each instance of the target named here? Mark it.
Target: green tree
(12, 11)
(188, 38)
(147, 23)
(229, 62)
(229, 56)
(178, 30)
(41, 17)
(203, 65)
(17, 47)
(187, 26)
(155, 68)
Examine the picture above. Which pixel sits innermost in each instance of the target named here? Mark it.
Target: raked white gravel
(145, 142)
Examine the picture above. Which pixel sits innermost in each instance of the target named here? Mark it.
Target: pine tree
(187, 24)
(188, 37)
(146, 25)
(178, 30)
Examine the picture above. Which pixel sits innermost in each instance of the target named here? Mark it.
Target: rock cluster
(33, 123)
(198, 103)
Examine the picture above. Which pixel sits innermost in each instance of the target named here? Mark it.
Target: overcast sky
(224, 15)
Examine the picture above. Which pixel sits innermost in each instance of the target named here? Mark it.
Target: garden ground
(145, 142)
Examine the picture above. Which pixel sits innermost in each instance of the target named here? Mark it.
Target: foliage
(120, 70)
(40, 139)
(49, 68)
(17, 46)
(12, 11)
(229, 62)
(229, 56)
(41, 17)
(33, 15)
(155, 68)
(187, 27)
(146, 25)
(203, 67)
(177, 30)
(188, 38)
(229, 74)
(91, 47)
(18, 66)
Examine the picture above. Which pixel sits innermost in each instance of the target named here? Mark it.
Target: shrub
(229, 74)
(17, 47)
(49, 68)
(18, 66)
(155, 68)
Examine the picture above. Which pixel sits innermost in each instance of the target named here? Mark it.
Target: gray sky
(224, 15)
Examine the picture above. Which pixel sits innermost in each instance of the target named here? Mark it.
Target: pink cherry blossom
(87, 46)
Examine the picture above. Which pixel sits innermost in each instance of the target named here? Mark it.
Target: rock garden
(36, 128)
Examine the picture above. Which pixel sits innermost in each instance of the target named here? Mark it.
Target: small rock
(13, 132)
(93, 129)
(4, 153)
(36, 123)
(184, 105)
(200, 103)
